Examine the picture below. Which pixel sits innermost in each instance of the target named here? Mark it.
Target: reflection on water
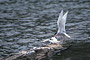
(24, 23)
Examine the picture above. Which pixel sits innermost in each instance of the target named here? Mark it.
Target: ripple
(23, 24)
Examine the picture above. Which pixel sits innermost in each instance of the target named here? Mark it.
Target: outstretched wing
(61, 22)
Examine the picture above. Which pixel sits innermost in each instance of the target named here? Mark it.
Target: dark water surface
(24, 23)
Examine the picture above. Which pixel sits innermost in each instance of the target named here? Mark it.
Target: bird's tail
(67, 35)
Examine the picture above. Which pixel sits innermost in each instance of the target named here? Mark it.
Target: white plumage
(61, 33)
(61, 24)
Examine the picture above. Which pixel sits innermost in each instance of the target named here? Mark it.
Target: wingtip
(60, 16)
(61, 12)
(66, 13)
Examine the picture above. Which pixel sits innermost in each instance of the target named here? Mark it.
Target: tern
(61, 29)
(61, 24)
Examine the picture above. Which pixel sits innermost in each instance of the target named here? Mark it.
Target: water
(24, 23)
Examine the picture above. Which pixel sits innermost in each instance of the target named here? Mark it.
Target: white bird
(61, 33)
(50, 41)
(61, 25)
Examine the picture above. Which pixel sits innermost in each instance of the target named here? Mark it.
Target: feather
(61, 24)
